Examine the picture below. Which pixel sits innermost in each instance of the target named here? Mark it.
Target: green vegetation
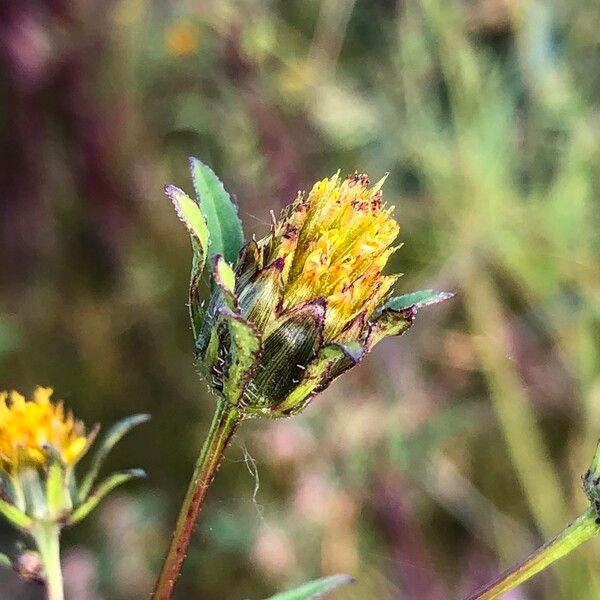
(453, 451)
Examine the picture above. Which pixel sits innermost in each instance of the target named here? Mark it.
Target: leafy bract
(225, 230)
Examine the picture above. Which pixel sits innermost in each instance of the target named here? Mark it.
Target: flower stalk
(47, 539)
(225, 421)
(579, 531)
(288, 313)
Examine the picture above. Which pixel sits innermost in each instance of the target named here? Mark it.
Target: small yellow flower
(29, 430)
(182, 38)
(335, 243)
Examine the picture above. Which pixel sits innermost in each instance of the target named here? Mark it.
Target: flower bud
(300, 306)
(40, 445)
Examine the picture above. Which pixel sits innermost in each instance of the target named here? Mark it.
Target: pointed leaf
(224, 278)
(191, 216)
(225, 230)
(416, 299)
(14, 515)
(314, 589)
(331, 361)
(108, 485)
(244, 354)
(390, 322)
(112, 437)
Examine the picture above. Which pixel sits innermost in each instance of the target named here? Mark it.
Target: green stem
(579, 531)
(224, 424)
(47, 539)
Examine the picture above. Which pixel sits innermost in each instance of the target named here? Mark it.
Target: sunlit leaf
(225, 230)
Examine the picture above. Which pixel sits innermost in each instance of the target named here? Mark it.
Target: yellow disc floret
(335, 243)
(30, 430)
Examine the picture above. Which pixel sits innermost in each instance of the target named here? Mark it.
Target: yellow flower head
(29, 430)
(335, 243)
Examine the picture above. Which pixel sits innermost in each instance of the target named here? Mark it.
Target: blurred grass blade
(225, 229)
(113, 436)
(107, 486)
(14, 515)
(314, 589)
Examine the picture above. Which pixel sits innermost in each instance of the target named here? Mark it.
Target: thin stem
(47, 539)
(579, 531)
(224, 424)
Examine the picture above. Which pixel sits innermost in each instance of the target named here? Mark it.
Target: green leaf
(107, 486)
(191, 216)
(56, 492)
(112, 437)
(331, 361)
(314, 589)
(14, 515)
(5, 561)
(390, 322)
(416, 300)
(224, 278)
(225, 230)
(244, 351)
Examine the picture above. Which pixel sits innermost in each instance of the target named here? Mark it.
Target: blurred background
(452, 451)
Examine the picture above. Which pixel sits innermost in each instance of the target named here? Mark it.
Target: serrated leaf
(314, 589)
(108, 485)
(244, 354)
(225, 230)
(112, 437)
(417, 299)
(14, 515)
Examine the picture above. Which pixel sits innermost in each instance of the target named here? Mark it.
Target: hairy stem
(579, 531)
(224, 424)
(47, 539)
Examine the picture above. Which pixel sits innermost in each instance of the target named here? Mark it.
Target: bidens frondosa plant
(40, 445)
(303, 304)
(287, 313)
